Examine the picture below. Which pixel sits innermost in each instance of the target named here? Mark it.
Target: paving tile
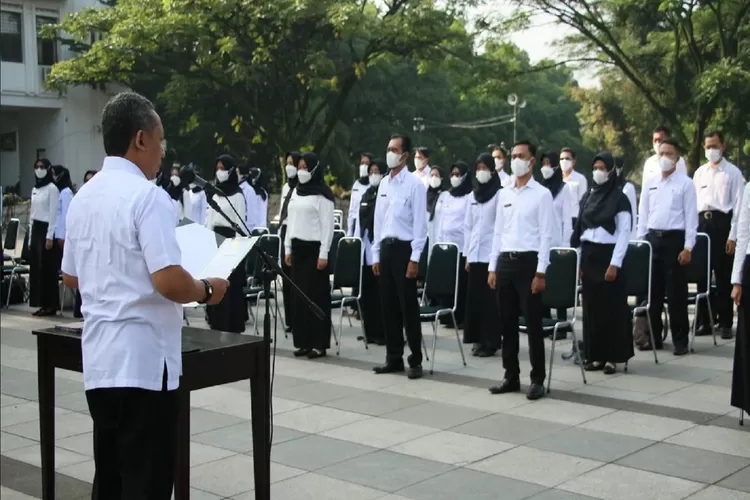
(83, 471)
(26, 411)
(561, 412)
(379, 432)
(638, 425)
(33, 455)
(239, 438)
(317, 487)
(281, 405)
(233, 475)
(75, 402)
(10, 442)
(315, 393)
(202, 420)
(608, 392)
(464, 483)
(369, 381)
(614, 482)
(68, 424)
(9, 494)
(509, 428)
(640, 383)
(437, 415)
(717, 493)
(202, 454)
(554, 494)
(535, 466)
(688, 463)
(452, 448)
(738, 481)
(83, 444)
(720, 440)
(316, 419)
(385, 470)
(595, 445)
(196, 494)
(374, 403)
(316, 452)
(6, 400)
(698, 397)
(481, 399)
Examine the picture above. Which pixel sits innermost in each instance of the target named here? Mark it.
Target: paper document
(197, 246)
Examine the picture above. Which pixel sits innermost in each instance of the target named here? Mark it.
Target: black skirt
(286, 290)
(372, 309)
(607, 324)
(230, 314)
(44, 269)
(482, 319)
(741, 370)
(308, 330)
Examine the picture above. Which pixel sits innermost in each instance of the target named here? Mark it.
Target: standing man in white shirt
(652, 169)
(576, 180)
(126, 263)
(422, 165)
(669, 221)
(718, 186)
(500, 156)
(400, 234)
(518, 262)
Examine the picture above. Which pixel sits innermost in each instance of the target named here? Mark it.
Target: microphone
(188, 176)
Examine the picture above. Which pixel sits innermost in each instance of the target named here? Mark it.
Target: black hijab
(62, 177)
(47, 178)
(554, 183)
(257, 181)
(232, 185)
(368, 201)
(465, 187)
(434, 193)
(292, 182)
(316, 185)
(175, 192)
(365, 180)
(602, 203)
(484, 192)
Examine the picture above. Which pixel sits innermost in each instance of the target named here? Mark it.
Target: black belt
(393, 241)
(518, 255)
(710, 214)
(667, 233)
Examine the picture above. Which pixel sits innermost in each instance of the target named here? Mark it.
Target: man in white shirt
(422, 165)
(575, 180)
(651, 168)
(669, 221)
(518, 262)
(400, 229)
(126, 263)
(718, 186)
(499, 155)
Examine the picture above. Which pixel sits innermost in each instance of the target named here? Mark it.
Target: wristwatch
(209, 291)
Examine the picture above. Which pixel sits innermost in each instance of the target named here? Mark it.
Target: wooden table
(209, 358)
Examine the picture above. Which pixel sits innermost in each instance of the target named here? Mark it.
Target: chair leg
(711, 315)
(10, 287)
(185, 318)
(362, 324)
(651, 334)
(580, 355)
(625, 368)
(458, 338)
(434, 344)
(424, 346)
(742, 417)
(552, 357)
(341, 328)
(665, 321)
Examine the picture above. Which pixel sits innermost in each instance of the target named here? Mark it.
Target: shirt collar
(121, 164)
(720, 166)
(400, 176)
(531, 185)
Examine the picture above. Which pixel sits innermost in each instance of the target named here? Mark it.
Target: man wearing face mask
(400, 229)
(422, 165)
(652, 168)
(628, 189)
(358, 189)
(669, 221)
(518, 262)
(499, 155)
(575, 180)
(718, 186)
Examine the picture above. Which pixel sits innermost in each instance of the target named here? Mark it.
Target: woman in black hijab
(77, 308)
(372, 311)
(290, 170)
(307, 243)
(602, 232)
(44, 262)
(481, 326)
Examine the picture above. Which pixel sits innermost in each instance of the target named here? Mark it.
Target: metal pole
(515, 115)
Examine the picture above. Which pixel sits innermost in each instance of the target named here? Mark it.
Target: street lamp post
(513, 101)
(418, 127)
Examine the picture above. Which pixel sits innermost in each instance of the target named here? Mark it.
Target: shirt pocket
(675, 203)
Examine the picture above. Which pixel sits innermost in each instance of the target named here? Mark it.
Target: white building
(35, 122)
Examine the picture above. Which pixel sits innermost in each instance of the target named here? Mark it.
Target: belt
(667, 233)
(391, 241)
(710, 214)
(517, 255)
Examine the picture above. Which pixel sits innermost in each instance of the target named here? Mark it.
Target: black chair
(270, 244)
(441, 284)
(332, 252)
(273, 227)
(700, 268)
(10, 239)
(347, 273)
(14, 267)
(637, 268)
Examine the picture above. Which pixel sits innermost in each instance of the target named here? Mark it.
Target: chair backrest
(422, 268)
(348, 268)
(273, 227)
(11, 234)
(442, 272)
(333, 251)
(270, 244)
(337, 226)
(561, 279)
(700, 260)
(338, 216)
(636, 267)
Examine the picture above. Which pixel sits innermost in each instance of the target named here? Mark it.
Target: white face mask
(519, 167)
(499, 164)
(656, 147)
(547, 171)
(393, 159)
(192, 185)
(713, 155)
(291, 171)
(666, 164)
(363, 170)
(600, 176)
(435, 182)
(222, 175)
(456, 181)
(304, 176)
(40, 173)
(420, 163)
(175, 180)
(375, 179)
(483, 176)
(566, 165)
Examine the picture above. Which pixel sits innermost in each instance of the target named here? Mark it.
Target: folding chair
(561, 291)
(273, 227)
(333, 251)
(422, 267)
(700, 267)
(441, 283)
(270, 244)
(338, 217)
(637, 268)
(347, 273)
(14, 267)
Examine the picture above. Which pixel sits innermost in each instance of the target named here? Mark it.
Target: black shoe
(485, 353)
(536, 391)
(475, 349)
(299, 353)
(314, 354)
(389, 367)
(505, 386)
(702, 331)
(414, 372)
(610, 369)
(726, 333)
(680, 350)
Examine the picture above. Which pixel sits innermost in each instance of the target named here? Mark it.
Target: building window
(11, 39)
(46, 49)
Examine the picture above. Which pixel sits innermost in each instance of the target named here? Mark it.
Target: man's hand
(48, 244)
(538, 284)
(684, 257)
(288, 259)
(411, 270)
(220, 289)
(467, 266)
(60, 243)
(737, 294)
(731, 245)
(611, 274)
(492, 279)
(322, 263)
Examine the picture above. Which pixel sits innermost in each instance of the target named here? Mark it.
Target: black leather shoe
(702, 331)
(536, 391)
(506, 386)
(389, 368)
(485, 353)
(680, 350)
(314, 354)
(414, 372)
(299, 353)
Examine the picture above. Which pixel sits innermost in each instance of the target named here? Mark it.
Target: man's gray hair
(123, 116)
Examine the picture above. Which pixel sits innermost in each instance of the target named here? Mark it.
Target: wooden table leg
(46, 383)
(182, 457)
(260, 394)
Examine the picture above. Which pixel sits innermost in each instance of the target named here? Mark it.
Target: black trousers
(482, 314)
(372, 310)
(669, 278)
(515, 272)
(741, 369)
(44, 268)
(400, 302)
(310, 332)
(135, 438)
(717, 226)
(286, 290)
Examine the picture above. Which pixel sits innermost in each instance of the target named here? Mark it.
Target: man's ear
(138, 140)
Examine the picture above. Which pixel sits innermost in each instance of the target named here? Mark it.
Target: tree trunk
(696, 148)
